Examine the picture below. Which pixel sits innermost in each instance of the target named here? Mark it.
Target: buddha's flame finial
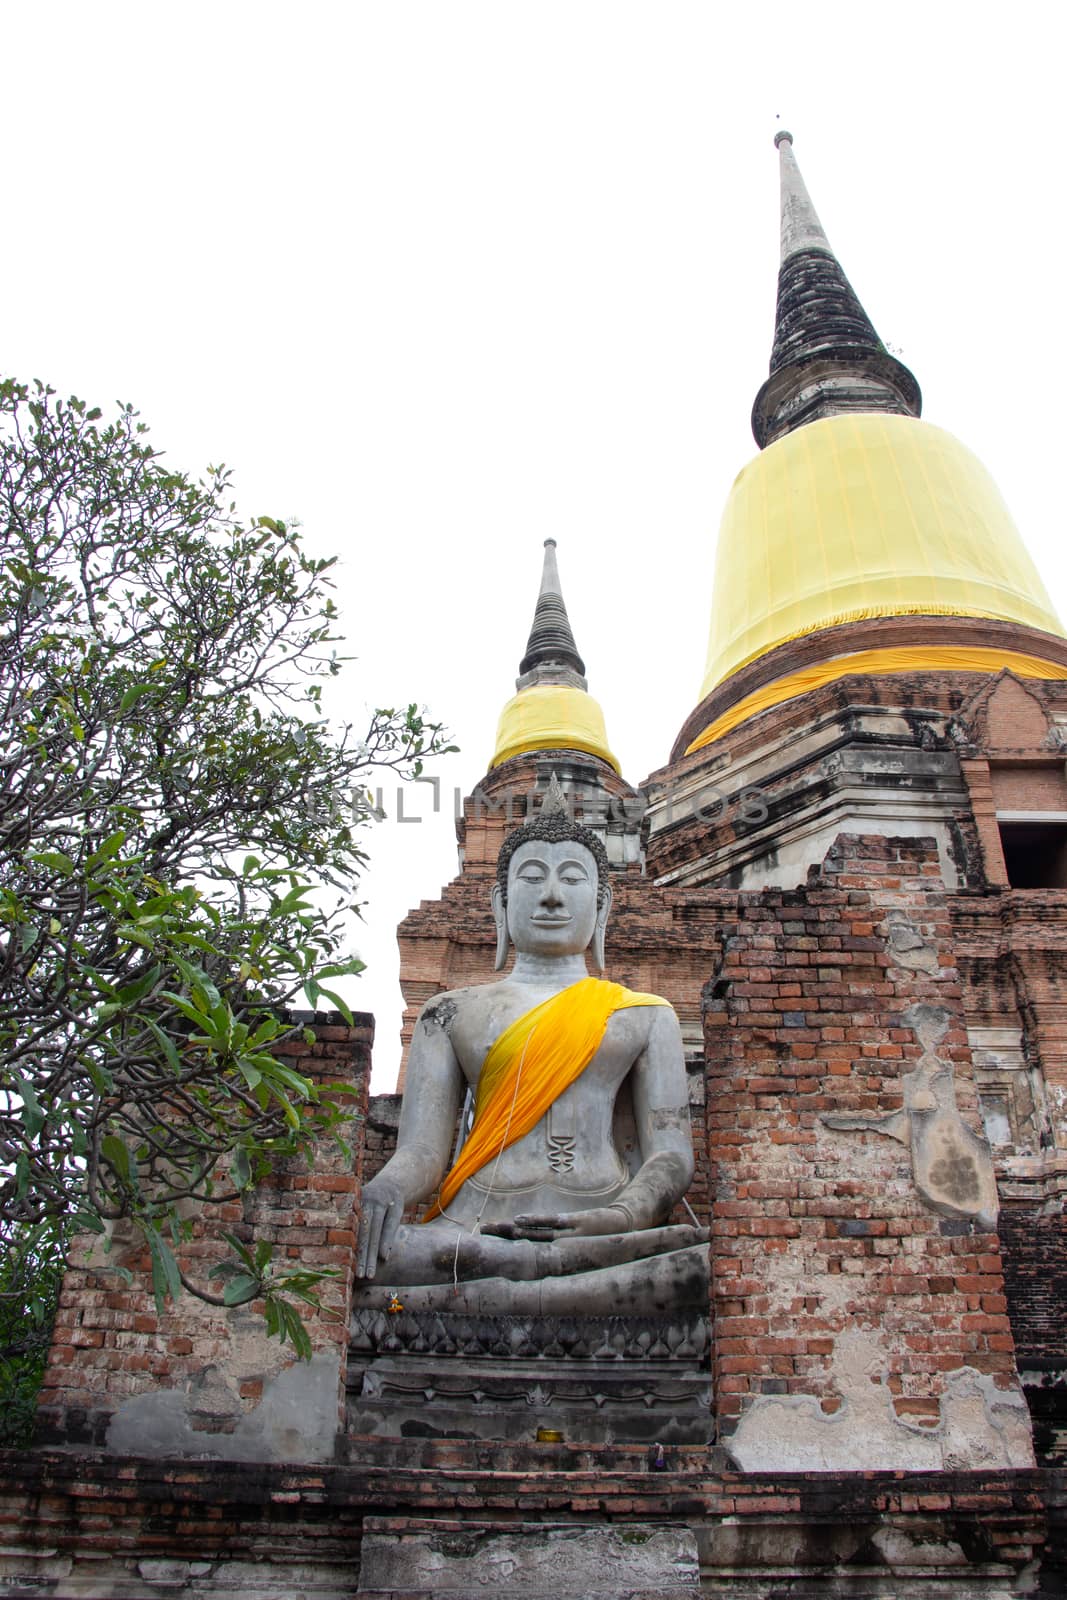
(555, 801)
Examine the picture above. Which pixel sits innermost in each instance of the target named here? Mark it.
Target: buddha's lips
(551, 922)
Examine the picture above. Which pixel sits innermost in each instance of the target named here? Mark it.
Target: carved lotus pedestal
(596, 1380)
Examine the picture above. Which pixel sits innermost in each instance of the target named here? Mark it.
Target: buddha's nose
(550, 895)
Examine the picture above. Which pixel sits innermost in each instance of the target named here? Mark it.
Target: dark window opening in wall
(1035, 853)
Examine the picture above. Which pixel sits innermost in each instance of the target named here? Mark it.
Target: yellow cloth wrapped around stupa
(861, 516)
(552, 716)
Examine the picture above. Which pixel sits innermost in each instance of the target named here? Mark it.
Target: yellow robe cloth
(535, 1059)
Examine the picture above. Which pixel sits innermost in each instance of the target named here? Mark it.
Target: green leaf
(166, 1279)
(343, 969)
(287, 1110)
(166, 1044)
(130, 993)
(240, 1250)
(293, 1325)
(241, 1289)
(131, 697)
(33, 1116)
(186, 1007)
(205, 995)
(116, 1155)
(335, 1000)
(99, 1076)
(277, 1072)
(54, 860)
(110, 847)
(241, 1169)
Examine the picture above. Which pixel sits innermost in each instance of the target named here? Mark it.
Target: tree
(31, 1269)
(179, 836)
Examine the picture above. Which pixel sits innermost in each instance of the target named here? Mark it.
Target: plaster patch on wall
(901, 1550)
(460, 1559)
(906, 945)
(296, 1419)
(980, 1426)
(1057, 1102)
(952, 1167)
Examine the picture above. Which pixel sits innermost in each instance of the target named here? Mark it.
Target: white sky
(444, 279)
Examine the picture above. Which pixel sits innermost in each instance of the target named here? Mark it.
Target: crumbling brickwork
(194, 1379)
(150, 1529)
(833, 1275)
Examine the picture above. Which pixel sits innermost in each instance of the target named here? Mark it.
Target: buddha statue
(540, 1210)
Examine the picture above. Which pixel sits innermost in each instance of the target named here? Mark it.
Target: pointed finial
(551, 643)
(826, 358)
(550, 570)
(801, 228)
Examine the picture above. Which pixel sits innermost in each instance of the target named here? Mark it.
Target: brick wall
(110, 1347)
(73, 1526)
(819, 1234)
(1035, 1273)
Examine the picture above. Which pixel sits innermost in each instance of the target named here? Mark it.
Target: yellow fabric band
(863, 515)
(551, 716)
(930, 658)
(535, 1059)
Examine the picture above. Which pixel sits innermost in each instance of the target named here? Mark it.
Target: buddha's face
(552, 897)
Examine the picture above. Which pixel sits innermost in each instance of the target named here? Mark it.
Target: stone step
(527, 1561)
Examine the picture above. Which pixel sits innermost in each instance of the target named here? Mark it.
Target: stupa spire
(552, 708)
(801, 228)
(826, 358)
(551, 645)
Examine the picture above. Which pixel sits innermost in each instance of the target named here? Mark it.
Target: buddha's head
(552, 894)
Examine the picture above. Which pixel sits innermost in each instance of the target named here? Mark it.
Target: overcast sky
(444, 279)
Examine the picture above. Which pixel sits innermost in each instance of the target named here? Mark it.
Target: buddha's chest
(571, 1150)
(474, 1035)
(571, 1146)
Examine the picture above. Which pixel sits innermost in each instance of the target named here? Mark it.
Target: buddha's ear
(597, 944)
(500, 917)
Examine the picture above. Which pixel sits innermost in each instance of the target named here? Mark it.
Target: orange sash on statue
(535, 1059)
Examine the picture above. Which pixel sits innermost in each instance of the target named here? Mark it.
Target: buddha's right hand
(381, 1215)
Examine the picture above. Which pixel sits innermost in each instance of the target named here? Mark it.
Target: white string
(496, 1164)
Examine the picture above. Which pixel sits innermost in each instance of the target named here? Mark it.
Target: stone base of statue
(596, 1380)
